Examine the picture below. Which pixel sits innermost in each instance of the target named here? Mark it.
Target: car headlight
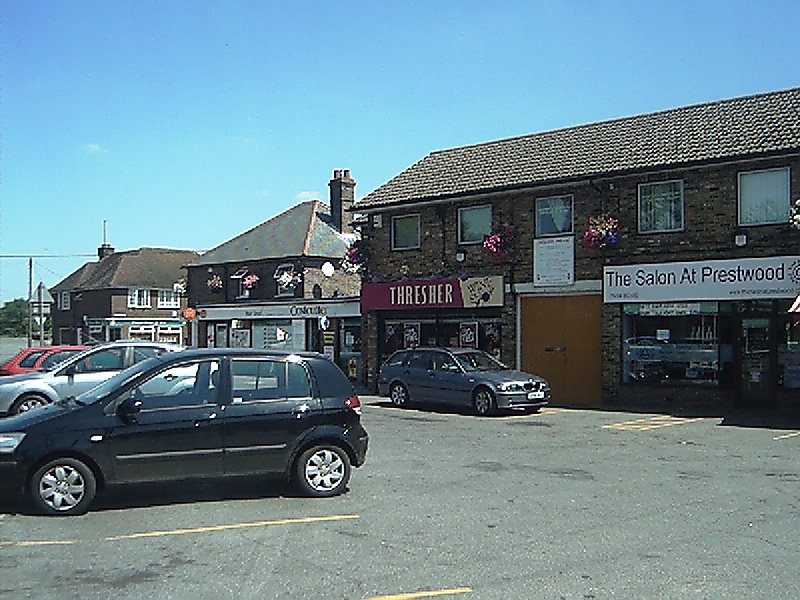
(10, 441)
(510, 386)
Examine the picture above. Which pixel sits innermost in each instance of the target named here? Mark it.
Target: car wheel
(65, 486)
(398, 393)
(27, 402)
(484, 402)
(322, 471)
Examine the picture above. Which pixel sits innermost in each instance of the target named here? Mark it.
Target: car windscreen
(478, 361)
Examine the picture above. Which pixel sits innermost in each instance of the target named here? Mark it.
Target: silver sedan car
(79, 373)
(460, 376)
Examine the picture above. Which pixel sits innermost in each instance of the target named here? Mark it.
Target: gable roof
(305, 229)
(154, 268)
(761, 124)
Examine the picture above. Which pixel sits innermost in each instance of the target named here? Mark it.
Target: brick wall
(710, 223)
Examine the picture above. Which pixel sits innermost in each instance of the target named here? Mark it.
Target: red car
(35, 359)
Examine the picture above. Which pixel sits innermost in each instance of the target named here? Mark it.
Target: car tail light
(354, 404)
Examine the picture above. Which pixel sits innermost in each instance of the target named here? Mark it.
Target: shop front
(332, 328)
(714, 325)
(463, 313)
(120, 328)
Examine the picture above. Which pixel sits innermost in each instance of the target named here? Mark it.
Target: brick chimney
(343, 195)
(105, 250)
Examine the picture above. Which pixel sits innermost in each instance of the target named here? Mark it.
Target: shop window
(661, 207)
(553, 216)
(405, 232)
(789, 349)
(677, 343)
(474, 223)
(764, 197)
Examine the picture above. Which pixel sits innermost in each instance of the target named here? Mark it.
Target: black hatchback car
(197, 413)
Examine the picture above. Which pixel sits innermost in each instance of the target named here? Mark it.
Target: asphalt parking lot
(565, 504)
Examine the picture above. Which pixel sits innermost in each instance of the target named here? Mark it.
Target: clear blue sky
(183, 123)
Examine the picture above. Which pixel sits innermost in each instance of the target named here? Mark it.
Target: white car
(78, 374)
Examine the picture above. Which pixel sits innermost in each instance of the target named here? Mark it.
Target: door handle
(300, 411)
(554, 349)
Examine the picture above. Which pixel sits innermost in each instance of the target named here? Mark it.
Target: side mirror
(71, 370)
(128, 409)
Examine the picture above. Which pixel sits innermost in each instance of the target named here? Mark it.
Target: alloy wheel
(324, 470)
(62, 487)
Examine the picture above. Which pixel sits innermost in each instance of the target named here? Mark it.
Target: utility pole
(30, 301)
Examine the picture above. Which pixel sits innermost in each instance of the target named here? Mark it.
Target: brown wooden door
(562, 341)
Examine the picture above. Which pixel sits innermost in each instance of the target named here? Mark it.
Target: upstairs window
(138, 298)
(168, 299)
(764, 197)
(64, 301)
(553, 216)
(405, 232)
(473, 224)
(661, 207)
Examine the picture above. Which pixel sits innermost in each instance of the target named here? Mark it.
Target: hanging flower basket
(214, 283)
(250, 281)
(355, 259)
(603, 232)
(289, 280)
(500, 242)
(794, 217)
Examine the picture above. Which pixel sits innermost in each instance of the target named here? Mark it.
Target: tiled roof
(306, 229)
(752, 125)
(154, 268)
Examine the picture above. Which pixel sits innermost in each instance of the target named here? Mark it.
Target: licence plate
(535, 395)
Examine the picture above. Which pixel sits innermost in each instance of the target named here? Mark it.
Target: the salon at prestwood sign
(733, 279)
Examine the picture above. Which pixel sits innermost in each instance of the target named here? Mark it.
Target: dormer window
(287, 279)
(238, 276)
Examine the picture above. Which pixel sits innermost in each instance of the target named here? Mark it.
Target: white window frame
(468, 209)
(571, 229)
(169, 299)
(419, 232)
(683, 206)
(138, 298)
(785, 216)
(64, 300)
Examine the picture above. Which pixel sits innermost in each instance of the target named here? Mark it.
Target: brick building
(678, 290)
(280, 284)
(123, 295)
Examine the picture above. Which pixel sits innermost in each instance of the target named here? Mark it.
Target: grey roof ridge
(312, 221)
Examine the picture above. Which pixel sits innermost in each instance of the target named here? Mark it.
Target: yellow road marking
(428, 594)
(787, 435)
(655, 422)
(148, 534)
